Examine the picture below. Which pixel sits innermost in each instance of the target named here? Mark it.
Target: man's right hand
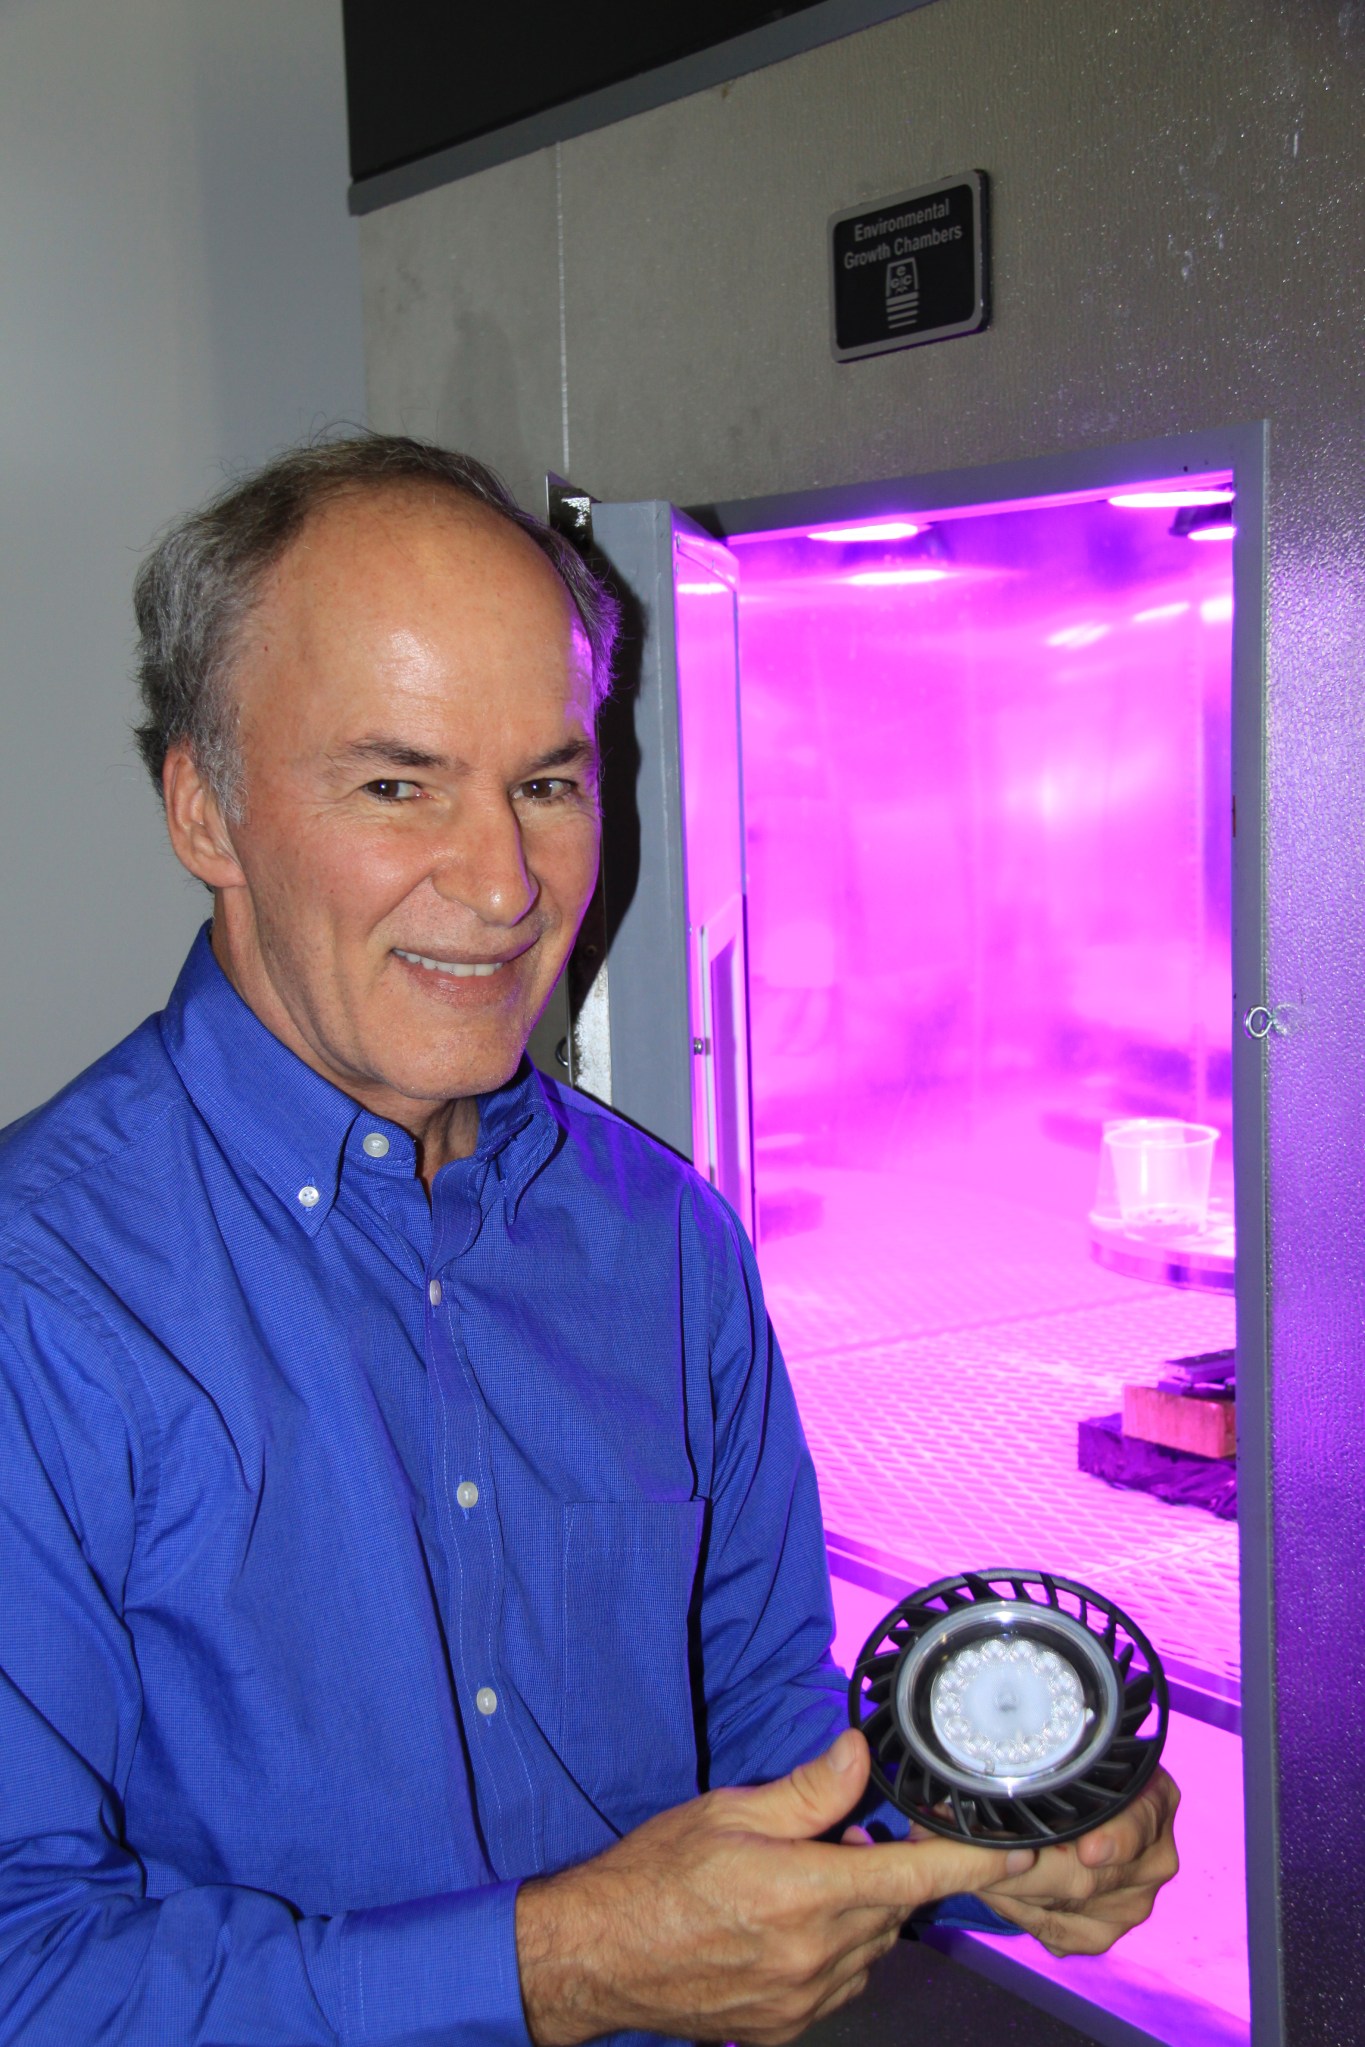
(727, 1919)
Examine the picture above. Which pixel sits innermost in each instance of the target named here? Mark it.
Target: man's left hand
(1078, 1899)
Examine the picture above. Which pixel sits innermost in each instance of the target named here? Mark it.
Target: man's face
(420, 830)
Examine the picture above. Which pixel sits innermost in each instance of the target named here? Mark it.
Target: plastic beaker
(1162, 1169)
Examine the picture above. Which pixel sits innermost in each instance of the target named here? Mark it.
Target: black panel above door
(423, 75)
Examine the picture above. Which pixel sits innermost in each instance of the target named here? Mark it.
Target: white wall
(179, 294)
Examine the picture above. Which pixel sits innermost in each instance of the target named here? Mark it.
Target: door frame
(1242, 449)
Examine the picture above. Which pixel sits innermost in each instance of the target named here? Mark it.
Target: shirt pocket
(625, 1722)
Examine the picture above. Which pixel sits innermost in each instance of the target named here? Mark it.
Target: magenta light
(1077, 636)
(889, 529)
(886, 579)
(1224, 529)
(1170, 500)
(986, 913)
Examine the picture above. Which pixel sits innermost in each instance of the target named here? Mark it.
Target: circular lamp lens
(1008, 1707)
(992, 1694)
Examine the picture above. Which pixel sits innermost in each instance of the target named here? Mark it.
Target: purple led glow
(965, 886)
(1223, 529)
(988, 910)
(989, 894)
(890, 579)
(1077, 636)
(886, 529)
(1170, 500)
(1195, 1942)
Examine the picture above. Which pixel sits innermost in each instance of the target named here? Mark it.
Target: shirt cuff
(964, 1910)
(439, 1972)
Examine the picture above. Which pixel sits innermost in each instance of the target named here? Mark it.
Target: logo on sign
(910, 268)
(902, 294)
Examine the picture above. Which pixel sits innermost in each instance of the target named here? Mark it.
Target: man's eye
(392, 791)
(547, 788)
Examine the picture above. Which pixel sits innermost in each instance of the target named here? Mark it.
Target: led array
(1007, 1707)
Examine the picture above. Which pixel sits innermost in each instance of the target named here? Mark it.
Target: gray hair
(205, 575)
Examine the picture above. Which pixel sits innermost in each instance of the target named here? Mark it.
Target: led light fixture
(1215, 529)
(886, 579)
(1206, 522)
(1156, 614)
(1173, 499)
(1077, 635)
(885, 529)
(1009, 1706)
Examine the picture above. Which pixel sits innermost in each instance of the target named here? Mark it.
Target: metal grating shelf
(955, 1445)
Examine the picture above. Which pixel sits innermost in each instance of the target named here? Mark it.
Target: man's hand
(727, 1919)
(1078, 1899)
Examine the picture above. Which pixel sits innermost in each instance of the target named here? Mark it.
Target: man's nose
(482, 865)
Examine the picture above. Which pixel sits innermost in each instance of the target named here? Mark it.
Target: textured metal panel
(1315, 1080)
(1174, 203)
(1260, 1774)
(462, 321)
(1179, 212)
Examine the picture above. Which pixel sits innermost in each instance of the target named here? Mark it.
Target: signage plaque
(909, 269)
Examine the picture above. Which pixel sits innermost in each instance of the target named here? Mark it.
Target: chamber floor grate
(955, 1446)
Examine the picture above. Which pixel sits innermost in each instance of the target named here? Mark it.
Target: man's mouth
(460, 970)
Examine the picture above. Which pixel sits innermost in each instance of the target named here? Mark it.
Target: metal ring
(1013, 1617)
(1258, 1023)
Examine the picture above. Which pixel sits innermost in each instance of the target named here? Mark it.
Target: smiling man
(415, 1624)
(403, 852)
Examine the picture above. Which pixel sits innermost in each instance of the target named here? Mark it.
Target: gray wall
(1179, 191)
(180, 295)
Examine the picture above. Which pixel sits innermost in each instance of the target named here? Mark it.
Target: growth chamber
(929, 929)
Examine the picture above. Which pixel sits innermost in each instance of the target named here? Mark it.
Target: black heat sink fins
(1105, 1783)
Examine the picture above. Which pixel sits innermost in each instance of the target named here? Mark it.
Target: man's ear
(199, 833)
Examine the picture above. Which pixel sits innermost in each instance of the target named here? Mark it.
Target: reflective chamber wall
(988, 830)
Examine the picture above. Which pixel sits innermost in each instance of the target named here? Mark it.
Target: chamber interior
(988, 830)
(988, 826)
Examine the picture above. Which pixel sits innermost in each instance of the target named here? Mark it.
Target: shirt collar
(297, 1131)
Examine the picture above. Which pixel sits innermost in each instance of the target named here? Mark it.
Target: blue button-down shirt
(359, 1555)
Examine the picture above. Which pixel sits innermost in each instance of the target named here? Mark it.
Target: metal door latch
(568, 510)
(1261, 1022)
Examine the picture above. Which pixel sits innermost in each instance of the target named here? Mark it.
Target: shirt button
(374, 1144)
(486, 1699)
(309, 1196)
(467, 1493)
(434, 1293)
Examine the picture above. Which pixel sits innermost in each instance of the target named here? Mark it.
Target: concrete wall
(181, 294)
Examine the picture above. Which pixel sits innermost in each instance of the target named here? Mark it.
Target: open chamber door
(658, 989)
(930, 867)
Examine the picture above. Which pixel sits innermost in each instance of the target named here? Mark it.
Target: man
(403, 1512)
